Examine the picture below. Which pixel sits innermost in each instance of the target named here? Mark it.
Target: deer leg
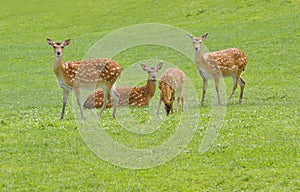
(242, 84)
(172, 101)
(235, 81)
(178, 103)
(217, 84)
(115, 96)
(105, 99)
(65, 100)
(78, 97)
(182, 100)
(203, 90)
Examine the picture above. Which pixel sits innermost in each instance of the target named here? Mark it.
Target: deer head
(169, 105)
(152, 72)
(58, 46)
(197, 41)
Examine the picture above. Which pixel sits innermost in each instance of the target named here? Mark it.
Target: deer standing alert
(100, 72)
(215, 65)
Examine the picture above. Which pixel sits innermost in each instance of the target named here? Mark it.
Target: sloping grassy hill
(256, 149)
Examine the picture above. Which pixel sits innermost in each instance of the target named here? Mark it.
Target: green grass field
(258, 146)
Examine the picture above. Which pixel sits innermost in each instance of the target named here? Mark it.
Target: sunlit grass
(257, 147)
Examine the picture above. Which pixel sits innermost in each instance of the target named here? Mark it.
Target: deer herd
(102, 74)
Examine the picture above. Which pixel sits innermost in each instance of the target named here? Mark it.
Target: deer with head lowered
(215, 65)
(100, 72)
(171, 84)
(132, 96)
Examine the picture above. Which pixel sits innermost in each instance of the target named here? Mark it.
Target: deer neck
(57, 66)
(199, 58)
(165, 90)
(150, 88)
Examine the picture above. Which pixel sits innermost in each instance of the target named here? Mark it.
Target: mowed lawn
(257, 148)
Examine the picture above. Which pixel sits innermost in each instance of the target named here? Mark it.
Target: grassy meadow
(257, 148)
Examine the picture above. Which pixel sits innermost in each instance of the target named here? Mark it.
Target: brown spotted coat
(132, 96)
(215, 65)
(100, 72)
(171, 84)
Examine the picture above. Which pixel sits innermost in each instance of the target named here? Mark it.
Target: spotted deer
(100, 72)
(132, 96)
(215, 65)
(171, 83)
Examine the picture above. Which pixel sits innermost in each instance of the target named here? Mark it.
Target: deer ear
(67, 42)
(50, 42)
(144, 67)
(205, 36)
(159, 66)
(191, 36)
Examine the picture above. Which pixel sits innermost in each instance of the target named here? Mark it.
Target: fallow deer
(215, 65)
(100, 72)
(171, 83)
(132, 96)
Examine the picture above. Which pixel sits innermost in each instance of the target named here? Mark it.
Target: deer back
(91, 71)
(228, 61)
(133, 96)
(174, 78)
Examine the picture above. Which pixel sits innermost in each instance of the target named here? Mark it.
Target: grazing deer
(171, 83)
(215, 65)
(101, 72)
(132, 96)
